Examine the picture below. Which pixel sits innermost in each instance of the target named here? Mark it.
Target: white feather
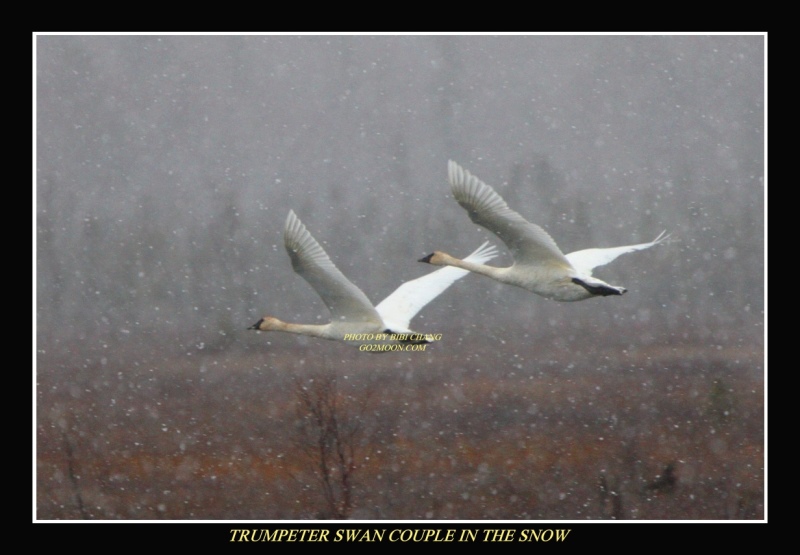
(539, 265)
(351, 311)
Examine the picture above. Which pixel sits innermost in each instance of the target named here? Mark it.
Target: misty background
(166, 166)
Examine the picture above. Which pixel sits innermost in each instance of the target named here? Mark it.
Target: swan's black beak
(426, 259)
(255, 326)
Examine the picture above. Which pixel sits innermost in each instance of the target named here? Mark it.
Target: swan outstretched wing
(529, 244)
(406, 301)
(345, 301)
(586, 260)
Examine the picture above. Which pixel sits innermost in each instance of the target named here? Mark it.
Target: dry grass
(450, 435)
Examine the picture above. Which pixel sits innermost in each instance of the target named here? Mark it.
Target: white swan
(539, 265)
(351, 310)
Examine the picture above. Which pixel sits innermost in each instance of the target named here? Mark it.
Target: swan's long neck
(444, 259)
(314, 330)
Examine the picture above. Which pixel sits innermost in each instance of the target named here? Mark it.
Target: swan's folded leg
(600, 288)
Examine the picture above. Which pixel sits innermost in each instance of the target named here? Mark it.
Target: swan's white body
(539, 265)
(351, 310)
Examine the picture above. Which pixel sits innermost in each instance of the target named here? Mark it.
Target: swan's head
(436, 258)
(267, 323)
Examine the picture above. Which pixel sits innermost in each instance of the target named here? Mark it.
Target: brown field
(220, 434)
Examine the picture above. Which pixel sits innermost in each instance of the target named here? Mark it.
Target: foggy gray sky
(166, 166)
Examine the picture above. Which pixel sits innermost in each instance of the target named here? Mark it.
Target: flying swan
(351, 310)
(539, 265)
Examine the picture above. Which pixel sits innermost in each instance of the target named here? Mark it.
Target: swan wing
(345, 301)
(586, 260)
(529, 244)
(406, 301)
